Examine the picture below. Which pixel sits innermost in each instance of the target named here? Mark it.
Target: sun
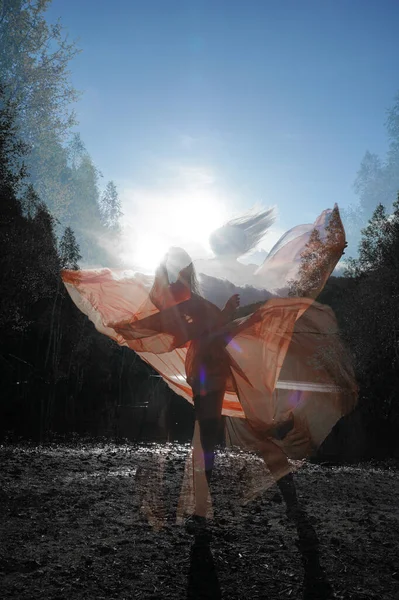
(158, 221)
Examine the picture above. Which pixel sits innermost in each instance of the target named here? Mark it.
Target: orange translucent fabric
(314, 387)
(288, 364)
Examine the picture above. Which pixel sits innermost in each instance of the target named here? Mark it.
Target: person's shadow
(203, 582)
(316, 585)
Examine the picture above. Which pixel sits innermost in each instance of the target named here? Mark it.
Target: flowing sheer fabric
(286, 366)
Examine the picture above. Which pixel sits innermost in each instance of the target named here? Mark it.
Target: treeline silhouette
(57, 373)
(365, 301)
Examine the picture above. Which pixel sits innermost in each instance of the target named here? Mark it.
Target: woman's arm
(211, 323)
(227, 332)
(189, 320)
(229, 311)
(202, 319)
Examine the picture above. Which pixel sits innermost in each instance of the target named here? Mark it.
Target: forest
(60, 377)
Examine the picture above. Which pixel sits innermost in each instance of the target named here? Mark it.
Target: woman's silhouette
(205, 330)
(209, 330)
(283, 386)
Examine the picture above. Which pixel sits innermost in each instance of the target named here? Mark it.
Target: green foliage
(378, 249)
(35, 76)
(371, 245)
(69, 250)
(29, 263)
(317, 259)
(370, 315)
(12, 171)
(377, 180)
(34, 68)
(111, 211)
(57, 371)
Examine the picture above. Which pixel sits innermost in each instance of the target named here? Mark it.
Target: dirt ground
(72, 526)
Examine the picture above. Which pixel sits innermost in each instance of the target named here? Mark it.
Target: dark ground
(71, 527)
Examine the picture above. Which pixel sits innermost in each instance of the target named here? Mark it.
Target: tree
(76, 150)
(318, 258)
(12, 149)
(370, 255)
(84, 215)
(391, 248)
(377, 180)
(54, 367)
(69, 250)
(370, 319)
(35, 74)
(35, 59)
(29, 262)
(111, 211)
(34, 68)
(30, 202)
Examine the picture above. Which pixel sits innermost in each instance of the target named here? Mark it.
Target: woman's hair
(241, 235)
(178, 263)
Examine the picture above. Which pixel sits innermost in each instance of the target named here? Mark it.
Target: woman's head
(175, 279)
(180, 269)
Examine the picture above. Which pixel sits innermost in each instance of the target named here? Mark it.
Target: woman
(283, 385)
(205, 330)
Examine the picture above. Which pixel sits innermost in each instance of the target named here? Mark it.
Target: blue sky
(249, 101)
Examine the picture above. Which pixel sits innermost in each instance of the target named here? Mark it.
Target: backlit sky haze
(200, 109)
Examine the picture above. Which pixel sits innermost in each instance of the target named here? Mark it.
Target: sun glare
(156, 220)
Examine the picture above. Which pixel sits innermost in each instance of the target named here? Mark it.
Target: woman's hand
(227, 314)
(232, 304)
(230, 307)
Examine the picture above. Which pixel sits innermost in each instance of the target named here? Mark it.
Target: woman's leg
(209, 434)
(280, 469)
(208, 410)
